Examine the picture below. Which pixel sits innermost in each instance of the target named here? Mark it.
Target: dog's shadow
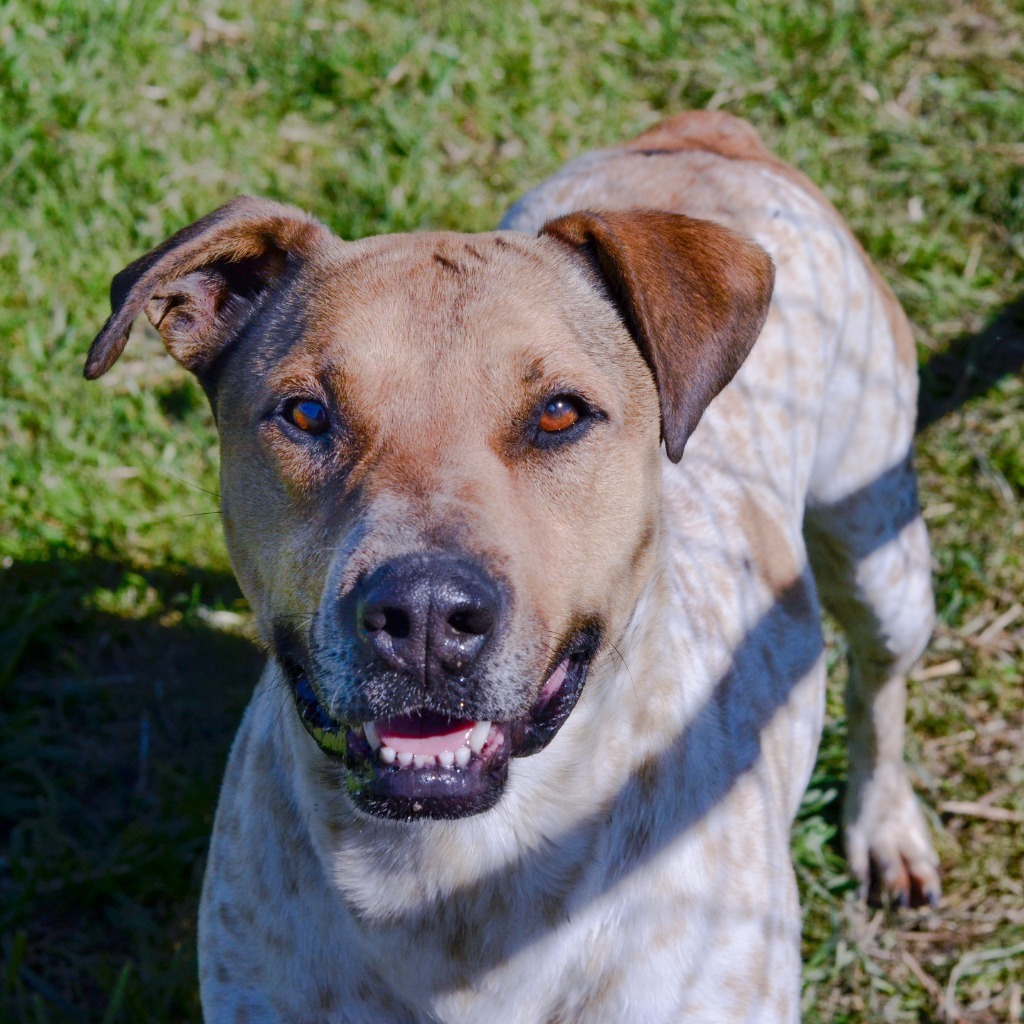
(120, 691)
(116, 725)
(114, 670)
(971, 365)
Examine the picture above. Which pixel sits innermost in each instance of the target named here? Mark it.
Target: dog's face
(416, 471)
(440, 461)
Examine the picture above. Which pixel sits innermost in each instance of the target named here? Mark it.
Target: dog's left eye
(562, 419)
(306, 414)
(560, 413)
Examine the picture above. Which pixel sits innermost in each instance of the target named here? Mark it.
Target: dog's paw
(888, 846)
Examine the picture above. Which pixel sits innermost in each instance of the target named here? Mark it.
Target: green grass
(122, 666)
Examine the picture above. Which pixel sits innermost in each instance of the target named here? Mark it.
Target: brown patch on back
(708, 130)
(711, 131)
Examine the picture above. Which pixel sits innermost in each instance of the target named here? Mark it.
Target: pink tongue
(424, 734)
(556, 680)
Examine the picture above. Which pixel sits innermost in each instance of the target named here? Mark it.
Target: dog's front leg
(888, 845)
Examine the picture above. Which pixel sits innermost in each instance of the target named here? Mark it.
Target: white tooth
(478, 736)
(387, 754)
(370, 732)
(404, 758)
(424, 761)
(447, 758)
(462, 756)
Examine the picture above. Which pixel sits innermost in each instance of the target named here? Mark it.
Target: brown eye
(561, 413)
(307, 415)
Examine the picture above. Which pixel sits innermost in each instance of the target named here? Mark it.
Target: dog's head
(440, 460)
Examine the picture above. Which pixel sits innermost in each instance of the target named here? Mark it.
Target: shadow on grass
(116, 726)
(971, 365)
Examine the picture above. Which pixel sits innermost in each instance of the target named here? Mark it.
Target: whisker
(188, 483)
(632, 682)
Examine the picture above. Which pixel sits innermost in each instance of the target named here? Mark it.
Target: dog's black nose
(428, 615)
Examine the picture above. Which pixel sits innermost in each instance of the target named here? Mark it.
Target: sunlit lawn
(123, 663)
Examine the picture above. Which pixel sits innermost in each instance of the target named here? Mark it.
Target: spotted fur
(638, 867)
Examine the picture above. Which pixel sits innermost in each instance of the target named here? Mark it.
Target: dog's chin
(426, 764)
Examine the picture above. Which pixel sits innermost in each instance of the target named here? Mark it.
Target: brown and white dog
(542, 700)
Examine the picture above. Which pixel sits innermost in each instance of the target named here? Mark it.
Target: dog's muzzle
(424, 626)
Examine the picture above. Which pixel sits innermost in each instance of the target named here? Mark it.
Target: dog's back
(805, 456)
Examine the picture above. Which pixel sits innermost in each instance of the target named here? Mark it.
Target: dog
(544, 689)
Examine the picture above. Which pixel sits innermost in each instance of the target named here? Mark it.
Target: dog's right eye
(306, 414)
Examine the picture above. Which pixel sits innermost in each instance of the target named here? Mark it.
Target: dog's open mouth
(428, 765)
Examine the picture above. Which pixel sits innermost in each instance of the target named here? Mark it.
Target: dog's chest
(588, 929)
(645, 943)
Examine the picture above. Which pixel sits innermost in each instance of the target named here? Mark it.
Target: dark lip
(534, 732)
(406, 794)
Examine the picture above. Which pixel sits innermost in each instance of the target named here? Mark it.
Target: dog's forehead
(488, 305)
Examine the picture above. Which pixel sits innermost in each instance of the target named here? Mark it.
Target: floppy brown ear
(198, 287)
(693, 294)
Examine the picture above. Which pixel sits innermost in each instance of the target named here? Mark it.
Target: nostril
(393, 621)
(471, 621)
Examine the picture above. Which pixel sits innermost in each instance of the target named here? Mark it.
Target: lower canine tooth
(404, 758)
(370, 732)
(462, 756)
(478, 736)
(387, 755)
